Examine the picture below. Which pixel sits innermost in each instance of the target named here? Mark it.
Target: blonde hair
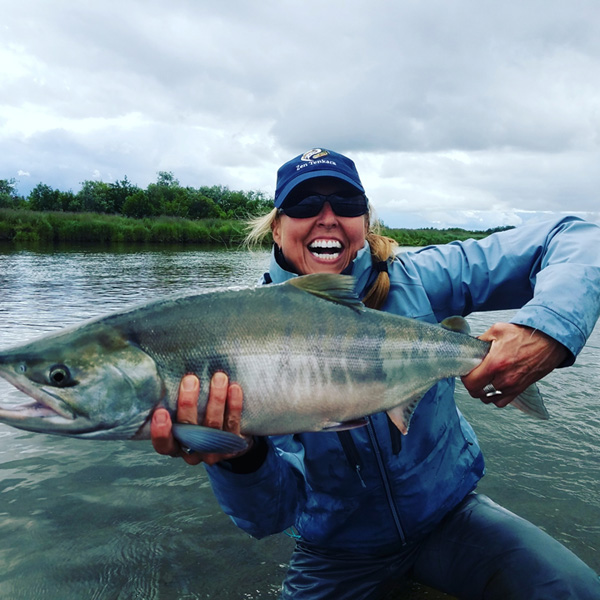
(260, 228)
(383, 250)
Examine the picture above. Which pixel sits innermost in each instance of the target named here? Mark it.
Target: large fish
(308, 354)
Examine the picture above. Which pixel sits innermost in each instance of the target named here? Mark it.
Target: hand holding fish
(223, 411)
(519, 356)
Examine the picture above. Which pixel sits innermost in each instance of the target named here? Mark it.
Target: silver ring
(490, 391)
(182, 450)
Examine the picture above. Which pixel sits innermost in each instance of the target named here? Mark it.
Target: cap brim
(312, 175)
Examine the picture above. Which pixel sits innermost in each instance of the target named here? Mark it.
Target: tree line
(164, 212)
(166, 197)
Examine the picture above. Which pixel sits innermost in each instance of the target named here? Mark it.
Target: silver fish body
(307, 354)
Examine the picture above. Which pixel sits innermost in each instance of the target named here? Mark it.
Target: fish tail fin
(530, 402)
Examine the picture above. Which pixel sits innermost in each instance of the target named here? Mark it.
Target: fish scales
(257, 344)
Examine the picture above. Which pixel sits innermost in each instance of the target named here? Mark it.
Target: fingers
(187, 412)
(492, 386)
(483, 374)
(160, 432)
(223, 410)
(518, 357)
(233, 412)
(217, 400)
(187, 401)
(497, 379)
(500, 400)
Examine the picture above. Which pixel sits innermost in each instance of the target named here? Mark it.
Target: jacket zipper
(386, 482)
(351, 452)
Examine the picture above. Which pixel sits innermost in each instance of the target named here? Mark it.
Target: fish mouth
(35, 410)
(27, 410)
(328, 249)
(43, 415)
(45, 404)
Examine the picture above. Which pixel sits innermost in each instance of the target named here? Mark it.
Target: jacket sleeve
(265, 501)
(549, 271)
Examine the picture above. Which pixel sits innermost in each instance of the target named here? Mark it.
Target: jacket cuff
(251, 461)
(554, 325)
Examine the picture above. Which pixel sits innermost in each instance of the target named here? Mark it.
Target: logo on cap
(314, 154)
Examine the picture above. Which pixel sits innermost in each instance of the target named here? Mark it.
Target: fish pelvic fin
(402, 414)
(330, 286)
(530, 402)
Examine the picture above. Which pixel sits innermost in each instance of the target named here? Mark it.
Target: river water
(113, 520)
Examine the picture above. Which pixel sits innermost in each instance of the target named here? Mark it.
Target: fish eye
(60, 375)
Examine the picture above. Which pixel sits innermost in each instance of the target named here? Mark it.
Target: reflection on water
(113, 520)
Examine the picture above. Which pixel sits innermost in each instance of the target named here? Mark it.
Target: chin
(324, 266)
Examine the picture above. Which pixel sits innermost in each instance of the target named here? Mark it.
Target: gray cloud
(448, 108)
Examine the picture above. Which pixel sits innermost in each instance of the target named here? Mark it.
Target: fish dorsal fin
(457, 324)
(330, 286)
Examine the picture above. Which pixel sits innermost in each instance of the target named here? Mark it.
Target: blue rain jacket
(370, 489)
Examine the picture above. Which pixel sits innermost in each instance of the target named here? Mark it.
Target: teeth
(326, 244)
(326, 249)
(328, 256)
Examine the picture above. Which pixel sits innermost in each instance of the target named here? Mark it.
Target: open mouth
(326, 249)
(37, 402)
(27, 410)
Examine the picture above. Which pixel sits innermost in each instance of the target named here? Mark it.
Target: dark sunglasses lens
(349, 207)
(307, 207)
(310, 206)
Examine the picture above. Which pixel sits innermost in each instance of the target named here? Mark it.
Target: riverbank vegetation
(63, 227)
(165, 212)
(26, 226)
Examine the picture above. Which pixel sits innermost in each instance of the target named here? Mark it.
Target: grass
(63, 227)
(30, 226)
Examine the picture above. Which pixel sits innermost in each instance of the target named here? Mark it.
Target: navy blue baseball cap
(317, 162)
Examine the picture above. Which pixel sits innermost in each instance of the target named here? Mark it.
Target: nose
(327, 217)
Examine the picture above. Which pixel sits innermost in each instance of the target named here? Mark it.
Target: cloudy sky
(472, 113)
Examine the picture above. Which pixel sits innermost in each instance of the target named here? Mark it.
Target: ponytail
(383, 251)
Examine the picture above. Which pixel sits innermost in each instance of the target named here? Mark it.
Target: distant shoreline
(26, 227)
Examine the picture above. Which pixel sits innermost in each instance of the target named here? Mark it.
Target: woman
(372, 506)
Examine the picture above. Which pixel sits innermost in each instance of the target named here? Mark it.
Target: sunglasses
(343, 206)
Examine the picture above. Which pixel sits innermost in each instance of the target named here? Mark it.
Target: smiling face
(325, 243)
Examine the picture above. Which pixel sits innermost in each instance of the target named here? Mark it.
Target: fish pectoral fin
(530, 402)
(354, 424)
(330, 286)
(206, 439)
